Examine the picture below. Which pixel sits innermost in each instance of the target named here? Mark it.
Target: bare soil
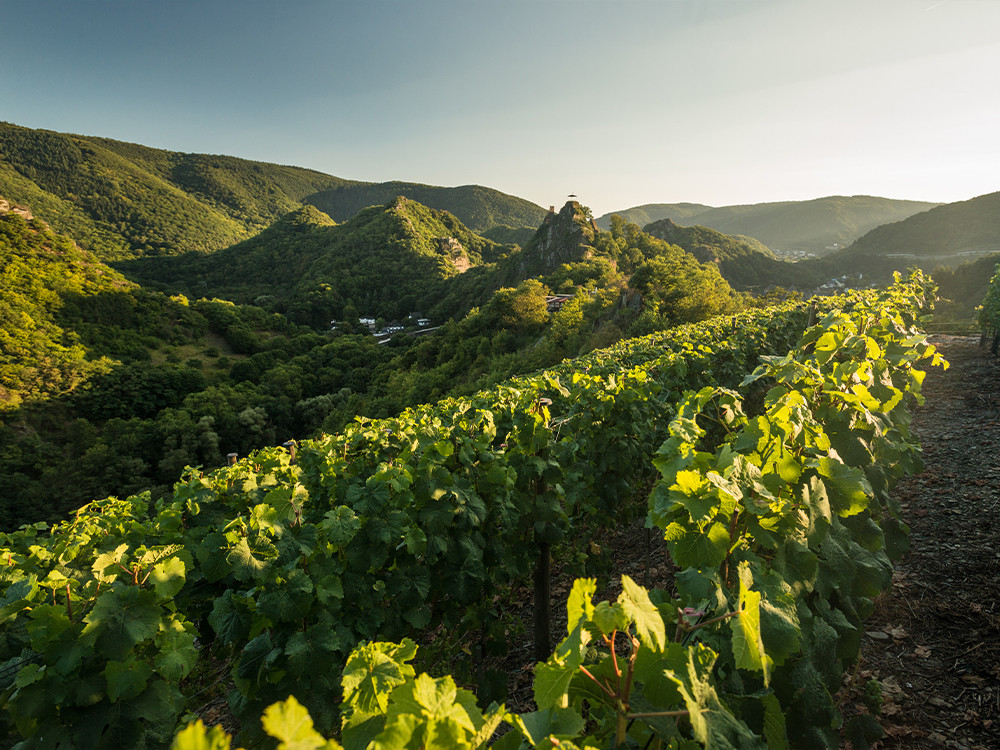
(933, 643)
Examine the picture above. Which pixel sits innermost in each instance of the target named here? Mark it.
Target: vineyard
(772, 440)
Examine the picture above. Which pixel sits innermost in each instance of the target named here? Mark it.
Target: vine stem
(714, 620)
(657, 714)
(684, 627)
(607, 691)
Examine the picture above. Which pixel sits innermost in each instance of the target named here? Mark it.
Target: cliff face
(453, 250)
(6, 207)
(563, 237)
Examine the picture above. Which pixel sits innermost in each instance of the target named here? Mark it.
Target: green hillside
(744, 262)
(706, 244)
(387, 261)
(650, 212)
(123, 200)
(953, 236)
(41, 273)
(481, 209)
(814, 226)
(946, 235)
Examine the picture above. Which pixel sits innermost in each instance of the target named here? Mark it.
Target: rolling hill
(123, 200)
(813, 226)
(945, 235)
(481, 209)
(41, 273)
(387, 260)
(743, 261)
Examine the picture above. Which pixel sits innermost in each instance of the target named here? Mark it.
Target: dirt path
(933, 643)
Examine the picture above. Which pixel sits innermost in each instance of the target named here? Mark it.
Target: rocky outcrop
(564, 237)
(7, 207)
(453, 250)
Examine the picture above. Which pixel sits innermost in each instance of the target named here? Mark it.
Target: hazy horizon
(623, 104)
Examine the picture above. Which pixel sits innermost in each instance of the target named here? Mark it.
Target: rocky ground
(933, 644)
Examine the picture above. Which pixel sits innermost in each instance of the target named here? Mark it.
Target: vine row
(379, 532)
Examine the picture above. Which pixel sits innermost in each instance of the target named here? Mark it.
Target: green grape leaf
(290, 600)
(341, 524)
(121, 619)
(436, 701)
(552, 682)
(561, 723)
(167, 577)
(797, 564)
(106, 566)
(196, 737)
(654, 669)
(638, 608)
(712, 723)
(579, 605)
(774, 724)
(177, 653)
(250, 559)
(609, 617)
(748, 645)
(289, 723)
(693, 547)
(371, 673)
(850, 489)
(16, 598)
(126, 679)
(751, 437)
(228, 621)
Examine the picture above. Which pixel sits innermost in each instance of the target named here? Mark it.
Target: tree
(521, 309)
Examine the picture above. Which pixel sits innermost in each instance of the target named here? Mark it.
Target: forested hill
(122, 200)
(745, 263)
(946, 235)
(45, 277)
(706, 244)
(939, 240)
(809, 226)
(386, 262)
(481, 209)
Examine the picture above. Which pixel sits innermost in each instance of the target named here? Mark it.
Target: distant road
(418, 332)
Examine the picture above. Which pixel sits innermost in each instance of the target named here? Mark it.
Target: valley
(207, 457)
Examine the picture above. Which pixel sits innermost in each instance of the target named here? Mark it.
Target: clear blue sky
(622, 102)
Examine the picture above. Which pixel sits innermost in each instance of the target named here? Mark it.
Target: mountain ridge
(811, 226)
(125, 200)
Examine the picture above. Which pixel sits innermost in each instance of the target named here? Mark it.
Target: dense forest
(137, 383)
(123, 200)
